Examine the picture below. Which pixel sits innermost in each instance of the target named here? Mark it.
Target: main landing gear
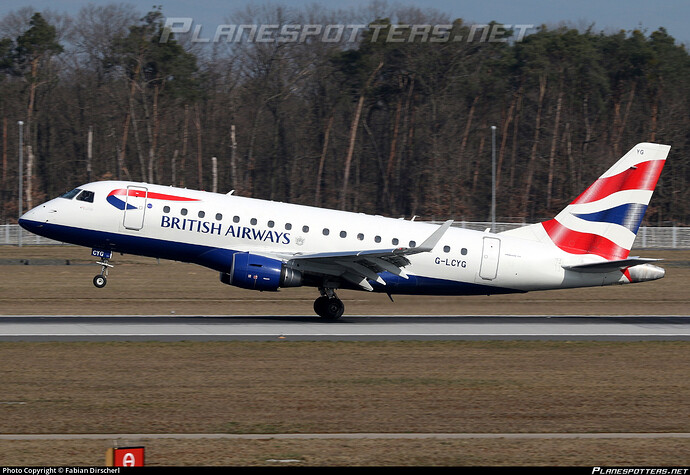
(101, 279)
(329, 306)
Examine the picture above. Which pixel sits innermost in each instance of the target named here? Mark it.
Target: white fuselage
(205, 228)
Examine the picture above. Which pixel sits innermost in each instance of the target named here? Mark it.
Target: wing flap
(358, 267)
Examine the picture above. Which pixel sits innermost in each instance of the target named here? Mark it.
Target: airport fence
(13, 234)
(648, 237)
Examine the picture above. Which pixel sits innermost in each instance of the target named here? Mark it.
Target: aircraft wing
(358, 267)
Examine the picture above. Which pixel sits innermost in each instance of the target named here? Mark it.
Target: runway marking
(543, 435)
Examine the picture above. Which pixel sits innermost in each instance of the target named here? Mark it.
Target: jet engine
(253, 272)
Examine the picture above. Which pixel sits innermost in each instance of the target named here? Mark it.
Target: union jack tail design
(605, 218)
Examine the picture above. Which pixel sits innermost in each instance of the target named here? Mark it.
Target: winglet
(431, 241)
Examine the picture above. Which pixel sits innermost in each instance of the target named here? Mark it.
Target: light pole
(21, 175)
(493, 178)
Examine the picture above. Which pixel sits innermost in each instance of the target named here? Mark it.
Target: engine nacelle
(253, 272)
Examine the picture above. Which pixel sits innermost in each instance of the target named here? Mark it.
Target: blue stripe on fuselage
(221, 259)
(118, 203)
(421, 285)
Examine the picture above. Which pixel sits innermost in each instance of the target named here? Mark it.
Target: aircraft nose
(33, 219)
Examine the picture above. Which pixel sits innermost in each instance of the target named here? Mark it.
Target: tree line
(395, 128)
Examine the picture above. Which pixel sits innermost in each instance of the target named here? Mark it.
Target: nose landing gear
(101, 279)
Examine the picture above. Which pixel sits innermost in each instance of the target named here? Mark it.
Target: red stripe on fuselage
(575, 242)
(643, 177)
(154, 196)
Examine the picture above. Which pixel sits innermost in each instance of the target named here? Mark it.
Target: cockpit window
(86, 195)
(71, 194)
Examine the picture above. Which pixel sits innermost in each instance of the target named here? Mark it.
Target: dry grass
(308, 387)
(543, 452)
(323, 387)
(273, 387)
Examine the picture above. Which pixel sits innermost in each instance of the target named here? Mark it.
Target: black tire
(335, 309)
(320, 306)
(329, 309)
(100, 281)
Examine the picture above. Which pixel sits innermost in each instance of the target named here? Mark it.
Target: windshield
(86, 195)
(71, 194)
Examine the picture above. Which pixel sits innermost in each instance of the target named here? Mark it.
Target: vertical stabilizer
(605, 218)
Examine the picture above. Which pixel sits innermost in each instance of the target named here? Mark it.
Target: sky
(606, 15)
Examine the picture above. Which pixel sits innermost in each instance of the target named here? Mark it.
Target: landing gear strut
(329, 306)
(101, 279)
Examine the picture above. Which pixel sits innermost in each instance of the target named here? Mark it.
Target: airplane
(266, 245)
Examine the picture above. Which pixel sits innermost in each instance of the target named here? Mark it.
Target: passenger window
(166, 209)
(343, 234)
(446, 248)
(86, 195)
(235, 219)
(326, 232)
(360, 236)
(463, 251)
(219, 217)
(395, 241)
(305, 229)
(202, 214)
(253, 221)
(377, 239)
(413, 244)
(183, 211)
(271, 224)
(288, 226)
(71, 194)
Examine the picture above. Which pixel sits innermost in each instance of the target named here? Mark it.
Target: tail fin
(605, 218)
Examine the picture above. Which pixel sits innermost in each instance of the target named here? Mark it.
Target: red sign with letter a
(128, 457)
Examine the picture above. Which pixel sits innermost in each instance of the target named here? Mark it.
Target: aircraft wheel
(335, 309)
(100, 281)
(329, 309)
(320, 306)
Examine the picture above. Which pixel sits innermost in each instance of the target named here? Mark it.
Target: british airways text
(238, 232)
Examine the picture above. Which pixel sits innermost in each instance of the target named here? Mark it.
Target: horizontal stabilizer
(609, 266)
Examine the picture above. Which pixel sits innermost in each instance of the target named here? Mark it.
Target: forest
(397, 128)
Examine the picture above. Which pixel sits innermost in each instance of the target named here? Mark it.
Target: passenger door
(135, 207)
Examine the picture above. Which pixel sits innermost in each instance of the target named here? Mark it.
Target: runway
(352, 328)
